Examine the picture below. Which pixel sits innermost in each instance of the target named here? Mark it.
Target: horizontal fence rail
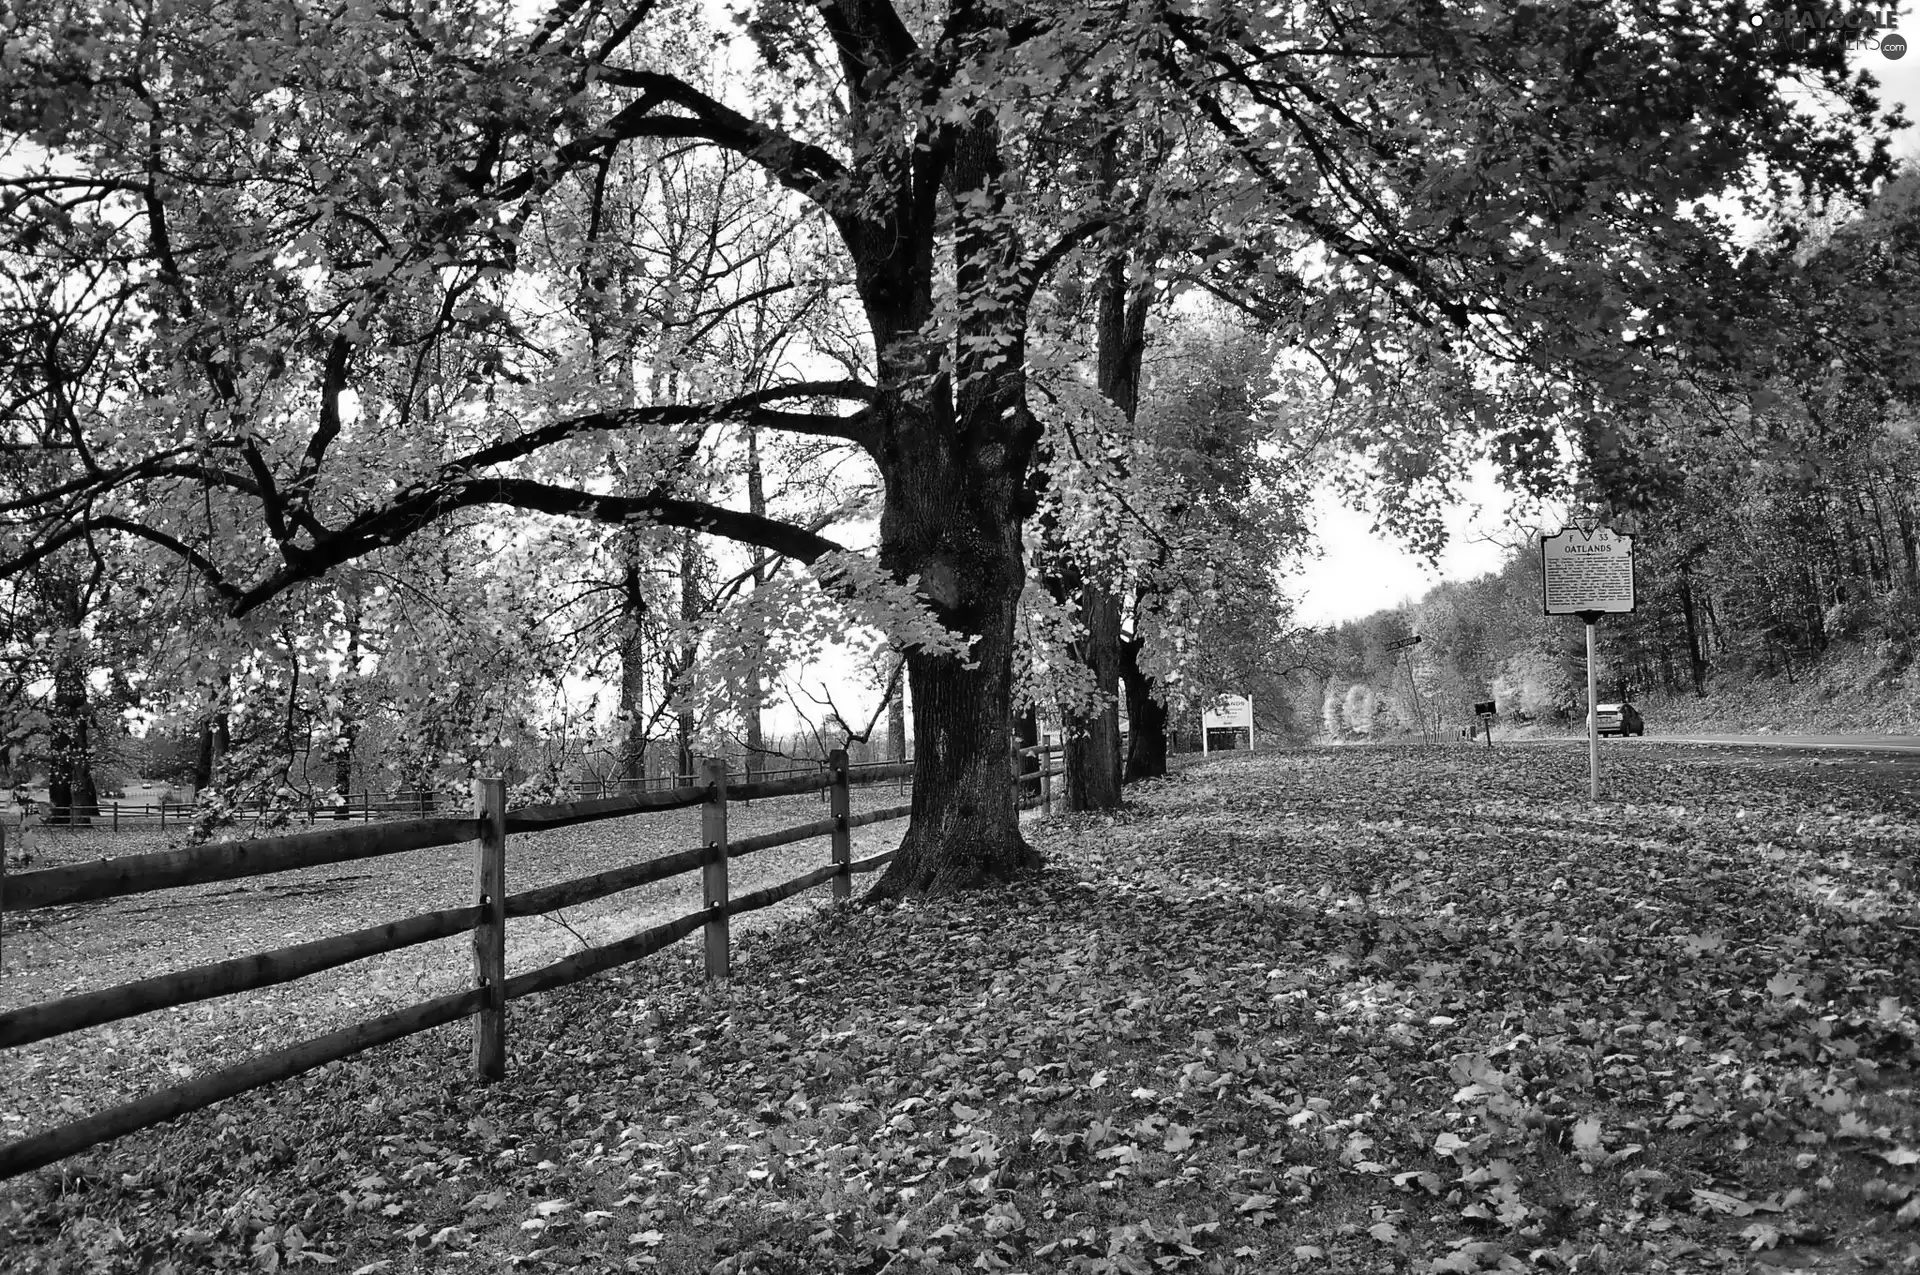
(112, 814)
(542, 818)
(224, 978)
(43, 1149)
(224, 861)
(489, 830)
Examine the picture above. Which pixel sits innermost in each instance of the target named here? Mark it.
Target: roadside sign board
(1486, 708)
(1587, 572)
(1401, 644)
(1228, 711)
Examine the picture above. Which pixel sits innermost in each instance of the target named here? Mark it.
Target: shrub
(1361, 709)
(1330, 713)
(1531, 685)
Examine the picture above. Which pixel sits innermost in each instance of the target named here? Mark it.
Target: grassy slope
(1359, 1010)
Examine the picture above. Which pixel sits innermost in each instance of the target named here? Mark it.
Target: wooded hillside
(1786, 605)
(1777, 556)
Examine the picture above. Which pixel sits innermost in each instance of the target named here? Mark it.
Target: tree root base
(913, 875)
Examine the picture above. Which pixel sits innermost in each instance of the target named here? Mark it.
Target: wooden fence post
(713, 876)
(842, 837)
(1046, 780)
(490, 935)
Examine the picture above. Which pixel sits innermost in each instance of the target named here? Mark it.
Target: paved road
(1852, 743)
(1849, 743)
(1898, 755)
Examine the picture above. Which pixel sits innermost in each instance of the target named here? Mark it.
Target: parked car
(1618, 719)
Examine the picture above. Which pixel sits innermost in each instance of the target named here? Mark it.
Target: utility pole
(1406, 645)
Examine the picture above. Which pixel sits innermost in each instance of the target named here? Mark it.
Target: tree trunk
(1093, 749)
(1909, 546)
(203, 757)
(689, 651)
(965, 829)
(633, 674)
(216, 741)
(756, 504)
(1093, 740)
(1026, 734)
(1146, 719)
(1870, 498)
(953, 519)
(347, 730)
(1696, 662)
(954, 452)
(70, 786)
(897, 717)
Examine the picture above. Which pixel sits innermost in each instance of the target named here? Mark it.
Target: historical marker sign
(1587, 571)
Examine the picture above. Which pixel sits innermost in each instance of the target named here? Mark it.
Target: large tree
(331, 224)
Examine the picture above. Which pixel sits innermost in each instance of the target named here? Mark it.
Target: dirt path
(61, 951)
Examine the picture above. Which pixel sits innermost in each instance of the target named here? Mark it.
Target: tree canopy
(287, 285)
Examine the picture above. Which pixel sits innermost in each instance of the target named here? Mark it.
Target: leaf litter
(1352, 1010)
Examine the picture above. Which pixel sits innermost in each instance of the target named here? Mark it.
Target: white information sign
(1229, 712)
(1587, 571)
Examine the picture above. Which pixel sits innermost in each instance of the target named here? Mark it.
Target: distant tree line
(1770, 528)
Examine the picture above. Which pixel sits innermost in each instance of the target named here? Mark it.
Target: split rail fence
(485, 1002)
(114, 814)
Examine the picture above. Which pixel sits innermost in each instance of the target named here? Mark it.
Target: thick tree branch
(1045, 264)
(85, 527)
(868, 34)
(417, 507)
(854, 429)
(333, 384)
(158, 466)
(800, 166)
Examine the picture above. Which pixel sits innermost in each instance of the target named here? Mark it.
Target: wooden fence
(113, 816)
(488, 830)
(366, 807)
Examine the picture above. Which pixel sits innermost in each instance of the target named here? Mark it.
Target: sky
(1900, 82)
(1361, 571)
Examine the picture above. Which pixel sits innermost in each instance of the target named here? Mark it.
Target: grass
(1355, 1010)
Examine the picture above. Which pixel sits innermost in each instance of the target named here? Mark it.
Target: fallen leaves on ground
(1354, 1010)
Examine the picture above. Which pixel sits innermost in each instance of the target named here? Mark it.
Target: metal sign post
(1588, 574)
(1593, 714)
